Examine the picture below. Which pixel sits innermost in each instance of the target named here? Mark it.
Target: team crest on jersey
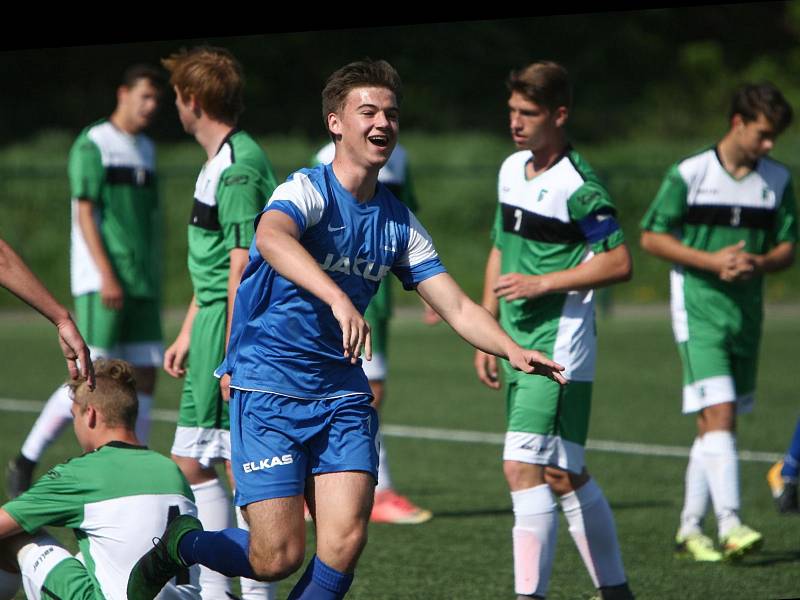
(767, 195)
(542, 192)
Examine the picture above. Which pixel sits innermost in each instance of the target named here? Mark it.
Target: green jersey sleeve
(669, 206)
(497, 228)
(591, 209)
(56, 499)
(85, 169)
(241, 195)
(786, 217)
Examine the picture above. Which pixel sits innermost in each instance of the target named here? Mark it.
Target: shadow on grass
(767, 558)
(478, 512)
(641, 504)
(490, 512)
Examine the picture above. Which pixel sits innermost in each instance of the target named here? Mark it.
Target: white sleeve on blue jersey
(420, 259)
(420, 245)
(299, 199)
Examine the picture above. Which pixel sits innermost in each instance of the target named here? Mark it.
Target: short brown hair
(114, 395)
(362, 73)
(213, 76)
(753, 99)
(543, 82)
(136, 72)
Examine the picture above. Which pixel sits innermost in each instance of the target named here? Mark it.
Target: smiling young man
(301, 420)
(115, 261)
(724, 217)
(556, 238)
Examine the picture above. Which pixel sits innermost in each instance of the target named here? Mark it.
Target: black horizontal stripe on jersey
(536, 227)
(205, 216)
(129, 176)
(730, 216)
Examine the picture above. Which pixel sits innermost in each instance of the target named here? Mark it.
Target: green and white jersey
(231, 190)
(116, 172)
(396, 175)
(553, 222)
(117, 499)
(707, 209)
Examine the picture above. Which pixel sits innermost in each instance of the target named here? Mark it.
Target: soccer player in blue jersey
(301, 420)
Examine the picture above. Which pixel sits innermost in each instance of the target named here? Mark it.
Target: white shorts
(208, 446)
(715, 390)
(139, 354)
(545, 450)
(375, 369)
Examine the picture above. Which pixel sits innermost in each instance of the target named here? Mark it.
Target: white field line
(455, 435)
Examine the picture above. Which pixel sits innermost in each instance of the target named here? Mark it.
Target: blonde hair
(114, 395)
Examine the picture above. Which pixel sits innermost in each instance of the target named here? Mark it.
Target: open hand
(536, 363)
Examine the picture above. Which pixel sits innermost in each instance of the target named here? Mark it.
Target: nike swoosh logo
(336, 228)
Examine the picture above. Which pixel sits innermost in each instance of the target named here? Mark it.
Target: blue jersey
(284, 339)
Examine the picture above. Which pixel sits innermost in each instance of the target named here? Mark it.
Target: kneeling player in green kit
(117, 497)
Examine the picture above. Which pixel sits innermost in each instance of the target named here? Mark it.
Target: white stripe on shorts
(539, 449)
(206, 445)
(715, 390)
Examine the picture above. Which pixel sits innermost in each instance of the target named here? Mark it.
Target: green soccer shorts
(713, 375)
(547, 423)
(203, 430)
(132, 333)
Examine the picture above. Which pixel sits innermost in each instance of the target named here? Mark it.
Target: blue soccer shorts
(277, 442)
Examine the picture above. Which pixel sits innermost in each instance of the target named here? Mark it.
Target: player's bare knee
(563, 482)
(522, 475)
(276, 565)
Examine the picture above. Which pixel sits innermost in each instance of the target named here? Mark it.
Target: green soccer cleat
(152, 572)
(740, 540)
(698, 547)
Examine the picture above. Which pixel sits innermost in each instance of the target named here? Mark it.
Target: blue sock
(321, 582)
(791, 462)
(224, 551)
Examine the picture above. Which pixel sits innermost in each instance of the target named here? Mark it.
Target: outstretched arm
(18, 279)
(277, 240)
(479, 328)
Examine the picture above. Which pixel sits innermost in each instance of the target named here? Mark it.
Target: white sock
(591, 526)
(143, 420)
(722, 471)
(534, 534)
(695, 500)
(214, 512)
(251, 589)
(55, 415)
(384, 477)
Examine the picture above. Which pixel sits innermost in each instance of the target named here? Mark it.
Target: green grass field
(465, 551)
